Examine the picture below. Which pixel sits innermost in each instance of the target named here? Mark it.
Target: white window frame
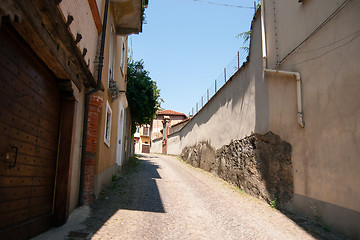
(123, 55)
(107, 128)
(111, 51)
(146, 133)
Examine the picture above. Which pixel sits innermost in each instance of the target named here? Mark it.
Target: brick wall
(95, 104)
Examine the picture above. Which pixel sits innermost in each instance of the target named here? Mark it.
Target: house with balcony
(142, 139)
(65, 125)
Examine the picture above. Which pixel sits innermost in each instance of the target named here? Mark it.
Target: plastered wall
(326, 152)
(83, 24)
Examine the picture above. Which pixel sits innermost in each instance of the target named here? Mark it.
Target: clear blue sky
(186, 44)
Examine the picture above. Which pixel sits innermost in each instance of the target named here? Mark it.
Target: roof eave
(128, 16)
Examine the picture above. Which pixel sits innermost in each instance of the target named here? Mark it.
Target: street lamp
(139, 68)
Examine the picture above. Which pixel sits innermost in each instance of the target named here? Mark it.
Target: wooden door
(30, 108)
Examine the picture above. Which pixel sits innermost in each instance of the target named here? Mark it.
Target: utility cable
(219, 4)
(315, 31)
(310, 59)
(325, 46)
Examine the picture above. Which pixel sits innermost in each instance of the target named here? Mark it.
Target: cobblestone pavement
(164, 198)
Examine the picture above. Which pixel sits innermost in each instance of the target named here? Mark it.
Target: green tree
(246, 36)
(142, 94)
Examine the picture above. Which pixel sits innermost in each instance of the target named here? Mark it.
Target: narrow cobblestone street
(164, 198)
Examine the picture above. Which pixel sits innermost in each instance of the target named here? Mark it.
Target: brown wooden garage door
(29, 131)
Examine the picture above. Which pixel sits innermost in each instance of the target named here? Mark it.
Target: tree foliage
(246, 36)
(142, 94)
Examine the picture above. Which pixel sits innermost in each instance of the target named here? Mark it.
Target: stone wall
(258, 164)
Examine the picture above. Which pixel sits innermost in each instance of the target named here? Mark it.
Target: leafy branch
(142, 94)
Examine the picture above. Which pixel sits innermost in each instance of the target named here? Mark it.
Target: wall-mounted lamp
(139, 68)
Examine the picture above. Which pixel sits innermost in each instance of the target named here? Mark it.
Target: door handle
(11, 165)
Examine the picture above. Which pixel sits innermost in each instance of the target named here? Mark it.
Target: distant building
(142, 139)
(157, 125)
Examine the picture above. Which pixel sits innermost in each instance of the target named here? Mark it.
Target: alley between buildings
(161, 197)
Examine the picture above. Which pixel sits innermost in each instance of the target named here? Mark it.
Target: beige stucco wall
(326, 152)
(156, 146)
(83, 24)
(294, 21)
(173, 144)
(106, 155)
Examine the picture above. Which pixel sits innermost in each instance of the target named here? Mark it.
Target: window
(123, 54)
(111, 52)
(108, 118)
(146, 131)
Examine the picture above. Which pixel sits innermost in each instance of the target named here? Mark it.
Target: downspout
(300, 114)
(87, 98)
(263, 35)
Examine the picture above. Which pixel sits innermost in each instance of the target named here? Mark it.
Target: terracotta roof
(170, 112)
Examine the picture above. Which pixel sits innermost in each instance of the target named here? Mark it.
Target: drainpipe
(263, 36)
(300, 114)
(87, 98)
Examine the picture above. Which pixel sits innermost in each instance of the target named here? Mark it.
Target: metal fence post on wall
(238, 60)
(229, 70)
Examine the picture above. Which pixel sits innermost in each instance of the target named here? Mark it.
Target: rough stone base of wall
(258, 164)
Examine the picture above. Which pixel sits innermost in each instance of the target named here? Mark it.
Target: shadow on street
(136, 190)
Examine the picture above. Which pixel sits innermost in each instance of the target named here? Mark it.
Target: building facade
(65, 126)
(142, 139)
(320, 43)
(157, 124)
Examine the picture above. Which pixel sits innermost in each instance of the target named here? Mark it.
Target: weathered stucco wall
(83, 24)
(106, 156)
(156, 146)
(326, 152)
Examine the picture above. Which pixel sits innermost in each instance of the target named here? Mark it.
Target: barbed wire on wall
(233, 66)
